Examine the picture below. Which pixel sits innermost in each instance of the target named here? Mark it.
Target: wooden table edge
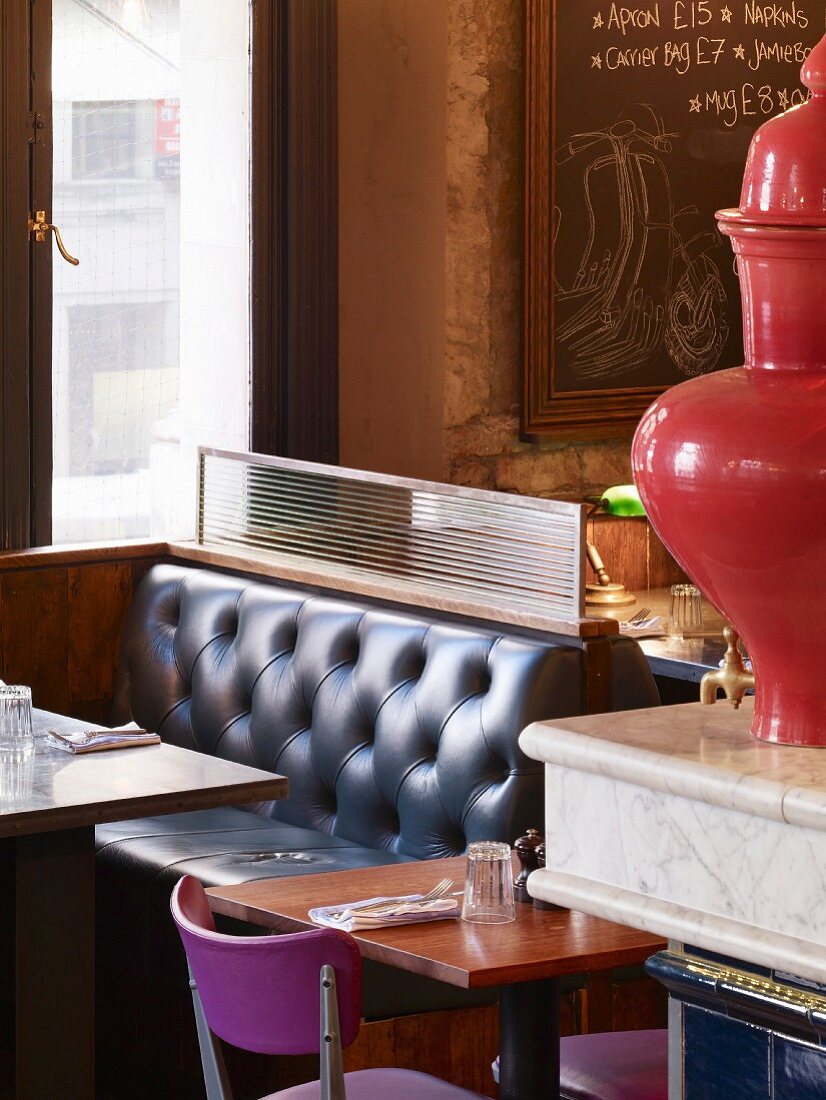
(402, 959)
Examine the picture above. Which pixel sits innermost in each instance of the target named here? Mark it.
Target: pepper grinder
(526, 848)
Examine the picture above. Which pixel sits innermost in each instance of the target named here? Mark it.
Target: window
(139, 150)
(111, 140)
(151, 190)
(120, 383)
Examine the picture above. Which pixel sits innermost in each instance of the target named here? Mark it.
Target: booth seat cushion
(226, 846)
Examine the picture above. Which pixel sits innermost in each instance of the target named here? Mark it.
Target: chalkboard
(639, 121)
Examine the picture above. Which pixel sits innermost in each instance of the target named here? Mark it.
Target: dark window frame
(294, 276)
(295, 231)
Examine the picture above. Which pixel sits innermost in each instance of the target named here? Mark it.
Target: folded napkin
(401, 910)
(644, 628)
(97, 738)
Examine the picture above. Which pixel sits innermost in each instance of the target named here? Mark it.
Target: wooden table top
(538, 944)
(57, 790)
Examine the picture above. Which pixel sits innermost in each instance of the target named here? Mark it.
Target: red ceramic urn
(731, 466)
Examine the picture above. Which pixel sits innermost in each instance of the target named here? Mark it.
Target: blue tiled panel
(799, 1070)
(725, 1059)
(746, 1039)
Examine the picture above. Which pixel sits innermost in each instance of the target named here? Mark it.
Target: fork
(641, 615)
(439, 891)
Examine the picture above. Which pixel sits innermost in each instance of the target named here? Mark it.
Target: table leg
(529, 1041)
(55, 965)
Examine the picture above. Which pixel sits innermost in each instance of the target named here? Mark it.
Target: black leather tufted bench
(399, 736)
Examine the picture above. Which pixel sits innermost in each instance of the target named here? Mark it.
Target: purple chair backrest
(261, 993)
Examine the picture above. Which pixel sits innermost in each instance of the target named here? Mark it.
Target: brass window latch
(39, 227)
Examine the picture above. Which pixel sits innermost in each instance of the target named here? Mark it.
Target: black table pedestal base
(529, 1041)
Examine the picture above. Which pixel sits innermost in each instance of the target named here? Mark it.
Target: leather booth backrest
(395, 732)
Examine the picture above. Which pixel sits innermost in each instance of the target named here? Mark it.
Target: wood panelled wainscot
(61, 613)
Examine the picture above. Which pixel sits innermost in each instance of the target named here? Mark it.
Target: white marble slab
(676, 821)
(733, 939)
(702, 752)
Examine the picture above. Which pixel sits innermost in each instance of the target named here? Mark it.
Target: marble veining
(737, 865)
(699, 752)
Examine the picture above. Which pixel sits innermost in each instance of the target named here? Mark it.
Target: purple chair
(269, 994)
(612, 1065)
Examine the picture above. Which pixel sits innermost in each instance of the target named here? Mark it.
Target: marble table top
(54, 789)
(701, 752)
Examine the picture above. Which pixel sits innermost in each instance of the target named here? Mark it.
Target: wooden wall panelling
(632, 553)
(597, 1002)
(141, 566)
(61, 614)
(458, 1046)
(625, 1000)
(99, 596)
(34, 625)
(638, 1003)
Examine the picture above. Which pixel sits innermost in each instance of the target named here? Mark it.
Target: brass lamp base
(606, 598)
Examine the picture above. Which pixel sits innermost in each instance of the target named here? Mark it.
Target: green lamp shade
(622, 500)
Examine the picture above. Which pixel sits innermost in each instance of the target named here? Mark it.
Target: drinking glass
(16, 779)
(489, 884)
(685, 611)
(16, 739)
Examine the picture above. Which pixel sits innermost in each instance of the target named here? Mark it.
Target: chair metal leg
(216, 1078)
(332, 1065)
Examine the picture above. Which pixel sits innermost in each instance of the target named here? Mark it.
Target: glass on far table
(489, 884)
(16, 737)
(685, 612)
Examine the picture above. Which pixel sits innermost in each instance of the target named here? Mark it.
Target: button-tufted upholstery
(395, 733)
(399, 736)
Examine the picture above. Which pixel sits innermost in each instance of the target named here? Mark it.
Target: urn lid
(784, 182)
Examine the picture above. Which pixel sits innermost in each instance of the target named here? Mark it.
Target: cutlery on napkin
(644, 628)
(410, 910)
(97, 738)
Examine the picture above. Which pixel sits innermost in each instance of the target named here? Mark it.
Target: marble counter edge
(709, 931)
(704, 782)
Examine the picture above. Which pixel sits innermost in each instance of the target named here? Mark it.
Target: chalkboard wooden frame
(545, 412)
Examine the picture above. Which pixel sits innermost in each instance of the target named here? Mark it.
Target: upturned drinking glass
(16, 738)
(685, 611)
(489, 884)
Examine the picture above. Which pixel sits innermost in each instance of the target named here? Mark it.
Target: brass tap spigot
(733, 677)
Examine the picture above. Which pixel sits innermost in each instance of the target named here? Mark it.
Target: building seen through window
(137, 327)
